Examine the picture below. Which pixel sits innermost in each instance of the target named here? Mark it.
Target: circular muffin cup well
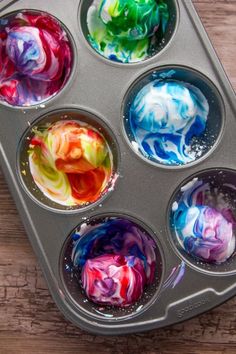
(82, 116)
(207, 141)
(162, 41)
(42, 103)
(220, 193)
(71, 279)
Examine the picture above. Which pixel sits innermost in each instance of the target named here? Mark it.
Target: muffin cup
(64, 86)
(82, 117)
(71, 277)
(222, 187)
(99, 92)
(162, 40)
(209, 138)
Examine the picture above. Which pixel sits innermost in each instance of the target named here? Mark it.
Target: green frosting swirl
(126, 30)
(128, 19)
(45, 174)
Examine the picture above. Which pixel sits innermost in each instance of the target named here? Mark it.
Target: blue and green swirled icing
(126, 30)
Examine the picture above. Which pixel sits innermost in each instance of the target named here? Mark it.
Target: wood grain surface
(29, 320)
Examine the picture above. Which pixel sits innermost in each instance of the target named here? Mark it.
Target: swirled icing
(113, 280)
(117, 259)
(70, 162)
(204, 229)
(130, 19)
(35, 58)
(164, 117)
(125, 31)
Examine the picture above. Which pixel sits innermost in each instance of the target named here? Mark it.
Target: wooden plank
(29, 320)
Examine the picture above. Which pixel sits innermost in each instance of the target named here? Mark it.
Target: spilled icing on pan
(126, 31)
(35, 58)
(165, 117)
(70, 162)
(175, 277)
(203, 221)
(116, 259)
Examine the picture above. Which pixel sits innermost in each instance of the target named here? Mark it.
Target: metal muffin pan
(144, 191)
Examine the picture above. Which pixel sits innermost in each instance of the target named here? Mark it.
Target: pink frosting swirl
(113, 279)
(35, 58)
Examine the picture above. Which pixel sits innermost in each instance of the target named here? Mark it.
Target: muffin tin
(143, 191)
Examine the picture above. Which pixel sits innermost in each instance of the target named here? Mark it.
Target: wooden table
(29, 320)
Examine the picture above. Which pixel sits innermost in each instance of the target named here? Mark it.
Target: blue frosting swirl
(164, 118)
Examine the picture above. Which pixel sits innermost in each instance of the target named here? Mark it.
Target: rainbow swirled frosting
(125, 30)
(204, 230)
(117, 260)
(164, 117)
(35, 58)
(70, 162)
